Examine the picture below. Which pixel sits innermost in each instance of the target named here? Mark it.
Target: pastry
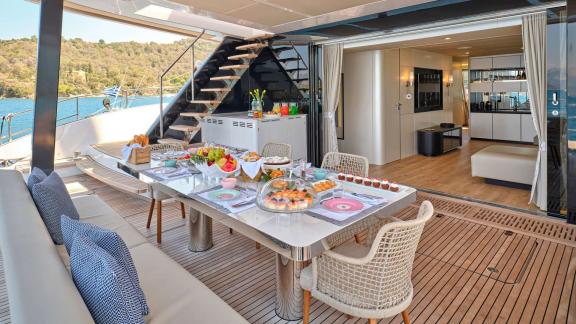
(385, 184)
(341, 176)
(349, 178)
(358, 180)
(367, 182)
(376, 183)
(394, 187)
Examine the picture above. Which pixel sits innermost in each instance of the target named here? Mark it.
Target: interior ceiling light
(464, 47)
(467, 53)
(447, 38)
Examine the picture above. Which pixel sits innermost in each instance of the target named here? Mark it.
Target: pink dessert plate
(341, 205)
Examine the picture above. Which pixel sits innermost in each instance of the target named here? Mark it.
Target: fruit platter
(285, 195)
(214, 161)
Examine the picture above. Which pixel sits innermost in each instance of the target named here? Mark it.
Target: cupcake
(376, 183)
(367, 182)
(394, 187)
(341, 176)
(349, 178)
(358, 180)
(385, 184)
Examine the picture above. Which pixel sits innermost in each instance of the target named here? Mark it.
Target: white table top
(296, 229)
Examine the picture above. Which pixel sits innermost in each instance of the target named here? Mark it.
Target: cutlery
(244, 203)
(366, 196)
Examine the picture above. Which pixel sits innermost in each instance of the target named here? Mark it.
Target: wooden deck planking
(535, 282)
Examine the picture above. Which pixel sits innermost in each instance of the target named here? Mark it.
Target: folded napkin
(251, 168)
(127, 150)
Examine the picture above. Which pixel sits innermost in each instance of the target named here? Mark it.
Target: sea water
(87, 106)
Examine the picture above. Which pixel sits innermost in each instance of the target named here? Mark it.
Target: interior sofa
(41, 289)
(511, 164)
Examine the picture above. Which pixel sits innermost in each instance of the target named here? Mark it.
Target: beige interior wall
(358, 69)
(374, 83)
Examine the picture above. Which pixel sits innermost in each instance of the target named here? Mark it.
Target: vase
(256, 105)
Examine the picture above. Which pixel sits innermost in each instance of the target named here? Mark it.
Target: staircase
(222, 83)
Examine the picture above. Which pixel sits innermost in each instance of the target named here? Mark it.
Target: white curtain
(458, 99)
(534, 40)
(331, 83)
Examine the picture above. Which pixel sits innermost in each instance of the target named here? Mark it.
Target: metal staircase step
(252, 46)
(169, 140)
(243, 56)
(281, 49)
(300, 80)
(296, 69)
(206, 102)
(194, 114)
(184, 128)
(288, 59)
(225, 77)
(259, 37)
(216, 90)
(235, 67)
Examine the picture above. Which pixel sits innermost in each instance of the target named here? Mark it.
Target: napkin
(127, 150)
(251, 168)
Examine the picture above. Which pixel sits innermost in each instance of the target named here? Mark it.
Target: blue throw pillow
(52, 200)
(112, 243)
(103, 284)
(36, 176)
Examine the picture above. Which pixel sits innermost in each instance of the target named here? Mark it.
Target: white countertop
(244, 115)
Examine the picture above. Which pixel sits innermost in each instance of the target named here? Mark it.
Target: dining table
(295, 237)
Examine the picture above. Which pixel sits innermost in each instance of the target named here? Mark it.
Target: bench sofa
(505, 163)
(41, 289)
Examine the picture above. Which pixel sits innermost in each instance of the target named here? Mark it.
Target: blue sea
(66, 110)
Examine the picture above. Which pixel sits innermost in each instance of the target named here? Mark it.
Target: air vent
(235, 123)
(220, 122)
(250, 125)
(242, 124)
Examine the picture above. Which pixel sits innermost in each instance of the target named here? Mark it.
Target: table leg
(289, 294)
(200, 231)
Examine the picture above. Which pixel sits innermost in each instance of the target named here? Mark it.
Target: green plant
(257, 95)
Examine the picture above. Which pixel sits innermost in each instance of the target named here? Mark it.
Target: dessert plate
(224, 195)
(341, 205)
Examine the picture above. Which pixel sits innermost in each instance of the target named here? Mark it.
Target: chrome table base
(289, 294)
(200, 231)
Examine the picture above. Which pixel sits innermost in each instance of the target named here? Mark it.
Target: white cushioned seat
(505, 163)
(41, 290)
(95, 211)
(173, 295)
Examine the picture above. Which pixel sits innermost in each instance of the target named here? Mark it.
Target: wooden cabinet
(528, 129)
(481, 125)
(507, 61)
(506, 127)
(480, 63)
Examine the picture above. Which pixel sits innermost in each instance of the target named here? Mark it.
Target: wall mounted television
(427, 90)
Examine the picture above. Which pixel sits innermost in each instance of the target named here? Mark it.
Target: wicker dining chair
(371, 280)
(346, 163)
(158, 197)
(277, 149)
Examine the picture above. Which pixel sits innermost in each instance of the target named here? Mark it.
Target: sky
(19, 18)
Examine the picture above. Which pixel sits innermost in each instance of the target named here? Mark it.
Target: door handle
(398, 106)
(555, 98)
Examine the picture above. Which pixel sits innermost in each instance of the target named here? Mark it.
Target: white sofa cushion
(173, 295)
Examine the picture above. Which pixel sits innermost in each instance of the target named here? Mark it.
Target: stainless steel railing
(7, 120)
(191, 46)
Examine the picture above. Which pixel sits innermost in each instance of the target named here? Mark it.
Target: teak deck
(474, 264)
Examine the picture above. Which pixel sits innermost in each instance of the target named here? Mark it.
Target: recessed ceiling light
(464, 47)
(467, 53)
(447, 38)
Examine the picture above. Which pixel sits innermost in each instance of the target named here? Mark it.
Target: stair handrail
(191, 46)
(300, 59)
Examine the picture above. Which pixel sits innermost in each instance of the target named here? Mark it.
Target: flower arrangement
(257, 95)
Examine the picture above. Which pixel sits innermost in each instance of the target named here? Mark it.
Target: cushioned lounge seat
(35, 273)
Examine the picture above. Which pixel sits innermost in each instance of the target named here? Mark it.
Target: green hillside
(88, 68)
